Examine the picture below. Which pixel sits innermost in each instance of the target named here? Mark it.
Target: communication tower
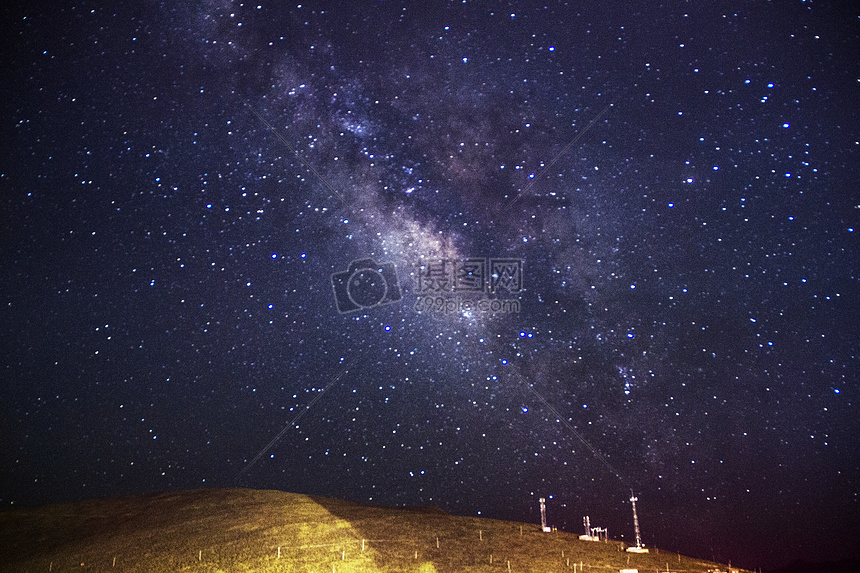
(589, 531)
(543, 525)
(638, 548)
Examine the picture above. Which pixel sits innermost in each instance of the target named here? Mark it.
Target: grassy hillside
(234, 530)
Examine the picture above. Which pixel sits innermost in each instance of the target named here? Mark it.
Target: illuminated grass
(233, 530)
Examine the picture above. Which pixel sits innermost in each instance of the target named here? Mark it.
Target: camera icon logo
(364, 285)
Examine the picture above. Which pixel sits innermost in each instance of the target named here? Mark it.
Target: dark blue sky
(184, 183)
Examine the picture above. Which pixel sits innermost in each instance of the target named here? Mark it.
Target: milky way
(660, 203)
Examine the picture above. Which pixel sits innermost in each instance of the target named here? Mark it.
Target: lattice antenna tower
(633, 500)
(544, 527)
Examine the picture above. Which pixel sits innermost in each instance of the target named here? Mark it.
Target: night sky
(463, 254)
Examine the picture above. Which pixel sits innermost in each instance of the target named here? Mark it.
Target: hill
(232, 530)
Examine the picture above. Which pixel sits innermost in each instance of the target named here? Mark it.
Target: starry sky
(463, 254)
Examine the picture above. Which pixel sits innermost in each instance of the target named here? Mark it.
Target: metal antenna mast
(638, 548)
(633, 500)
(543, 524)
